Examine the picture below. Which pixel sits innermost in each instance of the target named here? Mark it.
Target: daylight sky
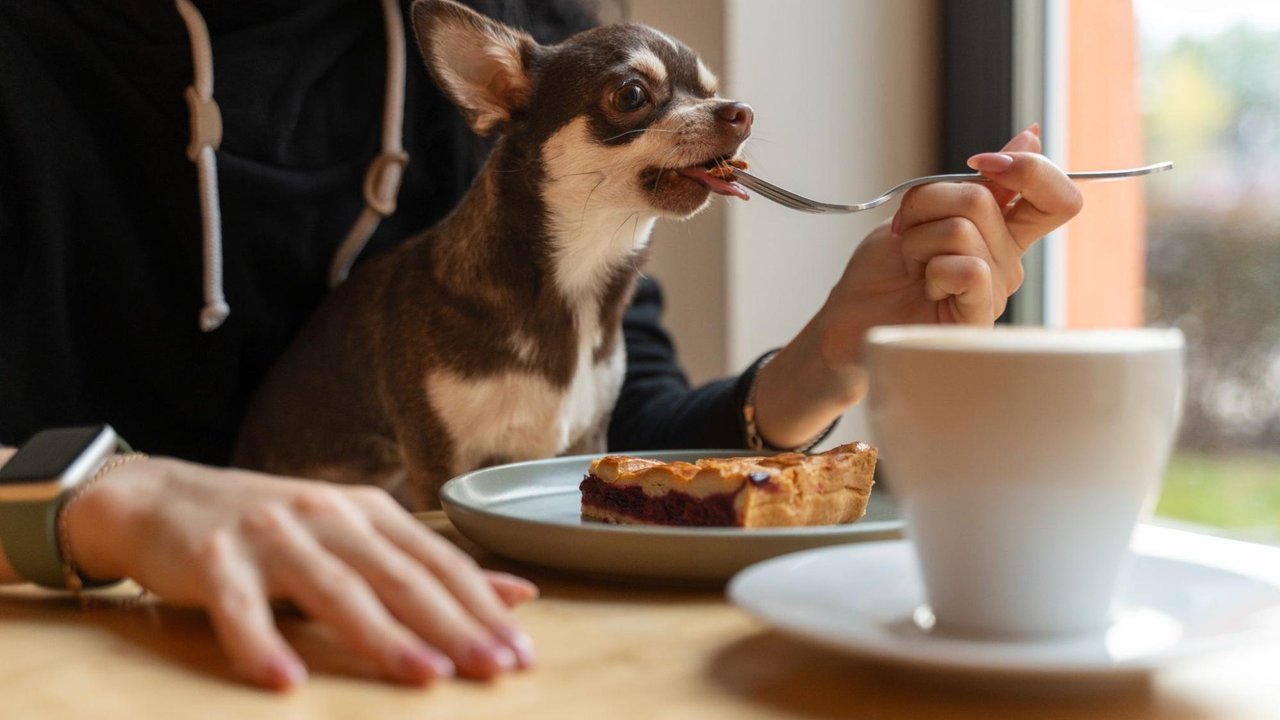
(1162, 21)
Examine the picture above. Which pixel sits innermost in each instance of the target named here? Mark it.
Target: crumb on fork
(724, 168)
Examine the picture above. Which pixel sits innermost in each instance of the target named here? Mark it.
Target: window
(1118, 83)
(1210, 90)
(1198, 248)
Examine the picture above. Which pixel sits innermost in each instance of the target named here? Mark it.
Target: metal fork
(788, 199)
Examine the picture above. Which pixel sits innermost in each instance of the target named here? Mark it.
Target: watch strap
(31, 541)
(29, 532)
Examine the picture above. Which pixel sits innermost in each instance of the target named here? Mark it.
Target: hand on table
(952, 254)
(231, 542)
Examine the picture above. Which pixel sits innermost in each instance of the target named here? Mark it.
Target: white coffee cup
(1022, 459)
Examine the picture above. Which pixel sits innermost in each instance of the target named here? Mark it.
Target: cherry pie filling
(672, 508)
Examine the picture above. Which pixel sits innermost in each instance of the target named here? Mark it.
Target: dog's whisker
(578, 174)
(663, 166)
(635, 230)
(582, 221)
(623, 224)
(638, 131)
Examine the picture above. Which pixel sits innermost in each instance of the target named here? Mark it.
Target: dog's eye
(630, 98)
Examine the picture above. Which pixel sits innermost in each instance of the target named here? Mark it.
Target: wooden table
(604, 652)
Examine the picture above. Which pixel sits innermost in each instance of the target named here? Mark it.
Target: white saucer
(866, 600)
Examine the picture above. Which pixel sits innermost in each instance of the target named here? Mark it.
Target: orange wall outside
(1106, 241)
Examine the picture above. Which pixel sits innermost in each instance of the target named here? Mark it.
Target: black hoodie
(100, 236)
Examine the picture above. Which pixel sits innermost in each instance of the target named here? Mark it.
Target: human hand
(951, 254)
(232, 542)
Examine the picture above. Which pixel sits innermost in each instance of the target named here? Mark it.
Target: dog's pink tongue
(717, 185)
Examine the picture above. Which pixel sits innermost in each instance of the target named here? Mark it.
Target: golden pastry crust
(781, 490)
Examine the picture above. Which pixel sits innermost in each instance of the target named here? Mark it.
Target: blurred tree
(1213, 250)
(1188, 112)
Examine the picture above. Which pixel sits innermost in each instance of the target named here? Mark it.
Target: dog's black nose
(739, 115)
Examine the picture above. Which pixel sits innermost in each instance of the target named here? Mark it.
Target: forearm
(798, 394)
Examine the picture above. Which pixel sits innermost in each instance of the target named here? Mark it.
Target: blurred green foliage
(1238, 493)
(1212, 105)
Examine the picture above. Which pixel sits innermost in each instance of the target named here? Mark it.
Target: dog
(495, 335)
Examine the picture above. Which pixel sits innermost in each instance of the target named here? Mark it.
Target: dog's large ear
(479, 63)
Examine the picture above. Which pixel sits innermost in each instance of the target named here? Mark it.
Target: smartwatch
(35, 483)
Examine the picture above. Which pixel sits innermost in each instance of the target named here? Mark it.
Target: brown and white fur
(495, 335)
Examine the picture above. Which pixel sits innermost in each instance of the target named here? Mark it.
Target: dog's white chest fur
(517, 415)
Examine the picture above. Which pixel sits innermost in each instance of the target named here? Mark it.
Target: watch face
(48, 454)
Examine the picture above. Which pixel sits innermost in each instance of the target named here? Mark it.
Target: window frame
(1003, 68)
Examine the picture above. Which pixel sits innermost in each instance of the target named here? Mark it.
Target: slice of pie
(782, 490)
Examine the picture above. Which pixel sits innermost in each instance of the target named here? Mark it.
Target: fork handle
(1085, 176)
(1121, 174)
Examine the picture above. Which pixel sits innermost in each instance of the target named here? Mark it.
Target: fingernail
(420, 664)
(284, 673)
(1034, 129)
(505, 656)
(991, 162)
(522, 645)
(895, 228)
(486, 657)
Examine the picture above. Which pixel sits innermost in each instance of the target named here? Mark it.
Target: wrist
(103, 523)
(801, 391)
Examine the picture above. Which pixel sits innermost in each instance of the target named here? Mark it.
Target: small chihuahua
(495, 335)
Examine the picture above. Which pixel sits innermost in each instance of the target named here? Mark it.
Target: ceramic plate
(530, 512)
(865, 600)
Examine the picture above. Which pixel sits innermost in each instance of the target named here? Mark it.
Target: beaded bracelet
(756, 441)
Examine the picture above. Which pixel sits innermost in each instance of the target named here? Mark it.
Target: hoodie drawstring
(206, 136)
(382, 179)
(381, 183)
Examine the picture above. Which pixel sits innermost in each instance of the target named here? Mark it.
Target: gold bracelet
(71, 575)
(754, 440)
